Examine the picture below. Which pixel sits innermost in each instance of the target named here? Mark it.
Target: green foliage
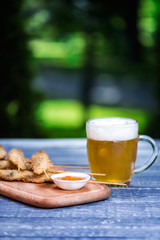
(68, 53)
(148, 24)
(123, 36)
(65, 118)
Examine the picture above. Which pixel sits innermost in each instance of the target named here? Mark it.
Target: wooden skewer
(71, 167)
(46, 174)
(108, 183)
(97, 174)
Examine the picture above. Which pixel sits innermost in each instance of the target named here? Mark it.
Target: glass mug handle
(152, 158)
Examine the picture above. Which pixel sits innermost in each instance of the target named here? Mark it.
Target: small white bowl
(70, 184)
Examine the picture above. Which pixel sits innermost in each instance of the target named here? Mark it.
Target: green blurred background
(66, 61)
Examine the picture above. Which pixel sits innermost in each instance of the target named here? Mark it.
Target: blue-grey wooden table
(129, 213)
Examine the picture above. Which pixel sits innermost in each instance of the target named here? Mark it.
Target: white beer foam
(112, 129)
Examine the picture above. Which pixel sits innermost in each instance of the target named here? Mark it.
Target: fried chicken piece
(6, 164)
(3, 153)
(25, 176)
(42, 178)
(12, 175)
(40, 162)
(16, 156)
(28, 164)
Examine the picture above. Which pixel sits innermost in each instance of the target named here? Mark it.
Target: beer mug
(112, 148)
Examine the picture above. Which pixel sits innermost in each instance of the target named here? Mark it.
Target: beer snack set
(111, 148)
(31, 181)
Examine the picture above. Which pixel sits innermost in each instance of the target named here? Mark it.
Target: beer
(112, 148)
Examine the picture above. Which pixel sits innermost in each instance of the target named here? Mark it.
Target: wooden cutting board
(47, 195)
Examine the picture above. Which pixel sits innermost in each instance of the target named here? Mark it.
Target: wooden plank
(48, 227)
(130, 201)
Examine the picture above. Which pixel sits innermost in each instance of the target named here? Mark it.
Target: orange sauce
(71, 178)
